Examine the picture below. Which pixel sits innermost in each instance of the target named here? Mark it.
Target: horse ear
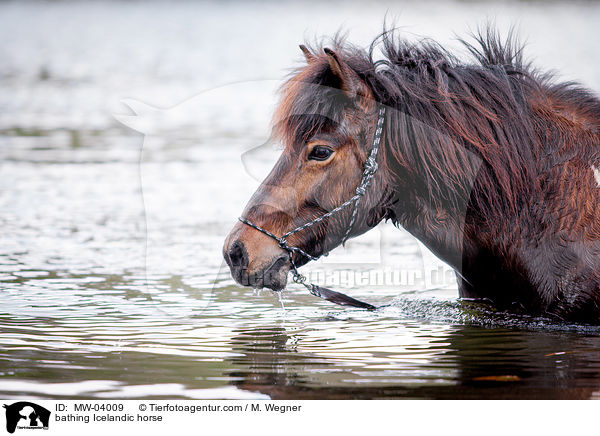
(307, 54)
(350, 82)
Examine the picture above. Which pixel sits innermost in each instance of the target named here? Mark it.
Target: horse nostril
(238, 255)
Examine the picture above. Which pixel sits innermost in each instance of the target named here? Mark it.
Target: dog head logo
(26, 415)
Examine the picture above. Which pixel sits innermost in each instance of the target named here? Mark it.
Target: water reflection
(470, 363)
(231, 349)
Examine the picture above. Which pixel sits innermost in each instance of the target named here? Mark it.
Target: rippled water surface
(112, 283)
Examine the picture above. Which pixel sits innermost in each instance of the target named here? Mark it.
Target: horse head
(326, 121)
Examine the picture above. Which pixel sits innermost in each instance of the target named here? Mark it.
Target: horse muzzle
(255, 260)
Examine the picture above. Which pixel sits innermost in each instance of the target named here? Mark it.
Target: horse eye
(320, 152)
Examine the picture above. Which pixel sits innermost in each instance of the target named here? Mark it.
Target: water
(112, 282)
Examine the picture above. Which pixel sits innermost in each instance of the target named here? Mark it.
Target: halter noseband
(369, 171)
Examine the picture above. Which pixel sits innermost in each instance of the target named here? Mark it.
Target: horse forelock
(311, 102)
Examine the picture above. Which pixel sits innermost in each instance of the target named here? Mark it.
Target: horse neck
(441, 230)
(432, 178)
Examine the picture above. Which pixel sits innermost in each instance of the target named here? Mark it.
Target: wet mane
(464, 132)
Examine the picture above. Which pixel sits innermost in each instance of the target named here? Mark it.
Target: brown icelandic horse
(491, 164)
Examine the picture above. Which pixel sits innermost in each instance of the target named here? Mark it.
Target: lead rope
(367, 177)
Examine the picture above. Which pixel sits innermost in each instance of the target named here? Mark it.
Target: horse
(491, 163)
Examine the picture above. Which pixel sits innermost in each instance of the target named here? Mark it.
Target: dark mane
(466, 132)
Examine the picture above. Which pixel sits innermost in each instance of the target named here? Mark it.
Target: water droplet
(280, 297)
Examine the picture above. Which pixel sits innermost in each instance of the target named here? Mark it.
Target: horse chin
(275, 277)
(277, 286)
